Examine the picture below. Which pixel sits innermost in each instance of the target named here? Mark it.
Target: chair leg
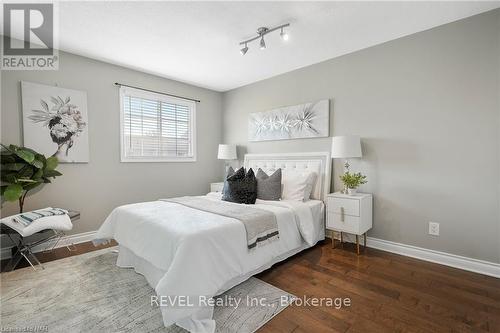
(26, 253)
(71, 247)
(29, 262)
(23, 251)
(58, 238)
(14, 261)
(36, 259)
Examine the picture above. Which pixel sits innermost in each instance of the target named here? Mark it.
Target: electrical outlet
(434, 228)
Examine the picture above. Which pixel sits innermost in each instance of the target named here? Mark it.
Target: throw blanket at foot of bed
(260, 225)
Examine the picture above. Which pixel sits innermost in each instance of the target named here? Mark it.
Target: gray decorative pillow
(269, 187)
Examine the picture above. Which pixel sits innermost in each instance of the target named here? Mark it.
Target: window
(156, 127)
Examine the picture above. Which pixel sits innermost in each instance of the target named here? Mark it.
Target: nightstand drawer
(343, 206)
(348, 224)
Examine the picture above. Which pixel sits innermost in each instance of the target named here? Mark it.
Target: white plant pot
(352, 191)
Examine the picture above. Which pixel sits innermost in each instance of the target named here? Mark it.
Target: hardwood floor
(388, 293)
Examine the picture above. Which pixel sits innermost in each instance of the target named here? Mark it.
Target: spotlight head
(244, 50)
(262, 43)
(283, 35)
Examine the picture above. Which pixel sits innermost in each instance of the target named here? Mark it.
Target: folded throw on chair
(27, 218)
(43, 219)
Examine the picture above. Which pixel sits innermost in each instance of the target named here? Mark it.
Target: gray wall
(95, 188)
(427, 107)
(498, 134)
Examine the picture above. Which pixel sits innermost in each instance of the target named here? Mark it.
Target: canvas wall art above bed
(309, 120)
(55, 121)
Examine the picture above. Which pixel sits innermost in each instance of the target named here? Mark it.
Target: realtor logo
(29, 37)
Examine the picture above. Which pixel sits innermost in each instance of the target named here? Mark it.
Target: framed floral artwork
(55, 121)
(308, 120)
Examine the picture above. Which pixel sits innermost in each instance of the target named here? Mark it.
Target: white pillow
(297, 185)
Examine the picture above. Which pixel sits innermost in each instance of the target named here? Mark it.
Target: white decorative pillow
(297, 186)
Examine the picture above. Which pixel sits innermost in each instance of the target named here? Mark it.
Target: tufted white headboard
(315, 162)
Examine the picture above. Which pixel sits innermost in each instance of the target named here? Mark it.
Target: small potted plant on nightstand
(352, 181)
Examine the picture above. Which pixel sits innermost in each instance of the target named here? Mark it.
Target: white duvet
(203, 254)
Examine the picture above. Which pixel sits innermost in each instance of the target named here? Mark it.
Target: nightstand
(216, 187)
(351, 214)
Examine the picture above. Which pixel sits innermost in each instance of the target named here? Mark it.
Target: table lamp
(227, 152)
(346, 147)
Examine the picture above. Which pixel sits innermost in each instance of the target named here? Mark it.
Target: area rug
(89, 293)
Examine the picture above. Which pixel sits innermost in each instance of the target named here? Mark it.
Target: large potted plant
(22, 170)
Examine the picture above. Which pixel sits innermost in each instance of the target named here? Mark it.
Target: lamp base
(346, 167)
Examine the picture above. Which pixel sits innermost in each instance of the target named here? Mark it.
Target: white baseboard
(443, 258)
(6, 252)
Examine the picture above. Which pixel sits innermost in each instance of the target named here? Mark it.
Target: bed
(188, 255)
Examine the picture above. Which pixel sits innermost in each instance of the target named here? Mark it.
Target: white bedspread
(200, 252)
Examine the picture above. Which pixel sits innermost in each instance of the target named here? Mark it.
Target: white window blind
(156, 127)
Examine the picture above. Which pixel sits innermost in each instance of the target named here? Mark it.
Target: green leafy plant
(353, 180)
(22, 170)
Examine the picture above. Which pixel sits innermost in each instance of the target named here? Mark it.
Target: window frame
(127, 91)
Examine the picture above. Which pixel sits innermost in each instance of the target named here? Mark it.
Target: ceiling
(197, 42)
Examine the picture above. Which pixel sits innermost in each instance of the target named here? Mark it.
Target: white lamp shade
(227, 152)
(346, 146)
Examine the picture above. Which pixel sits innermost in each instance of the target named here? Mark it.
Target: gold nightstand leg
(364, 236)
(333, 240)
(357, 244)
(341, 239)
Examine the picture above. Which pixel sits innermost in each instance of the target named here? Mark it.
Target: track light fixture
(261, 32)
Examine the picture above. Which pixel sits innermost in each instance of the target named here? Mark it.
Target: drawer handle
(342, 214)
